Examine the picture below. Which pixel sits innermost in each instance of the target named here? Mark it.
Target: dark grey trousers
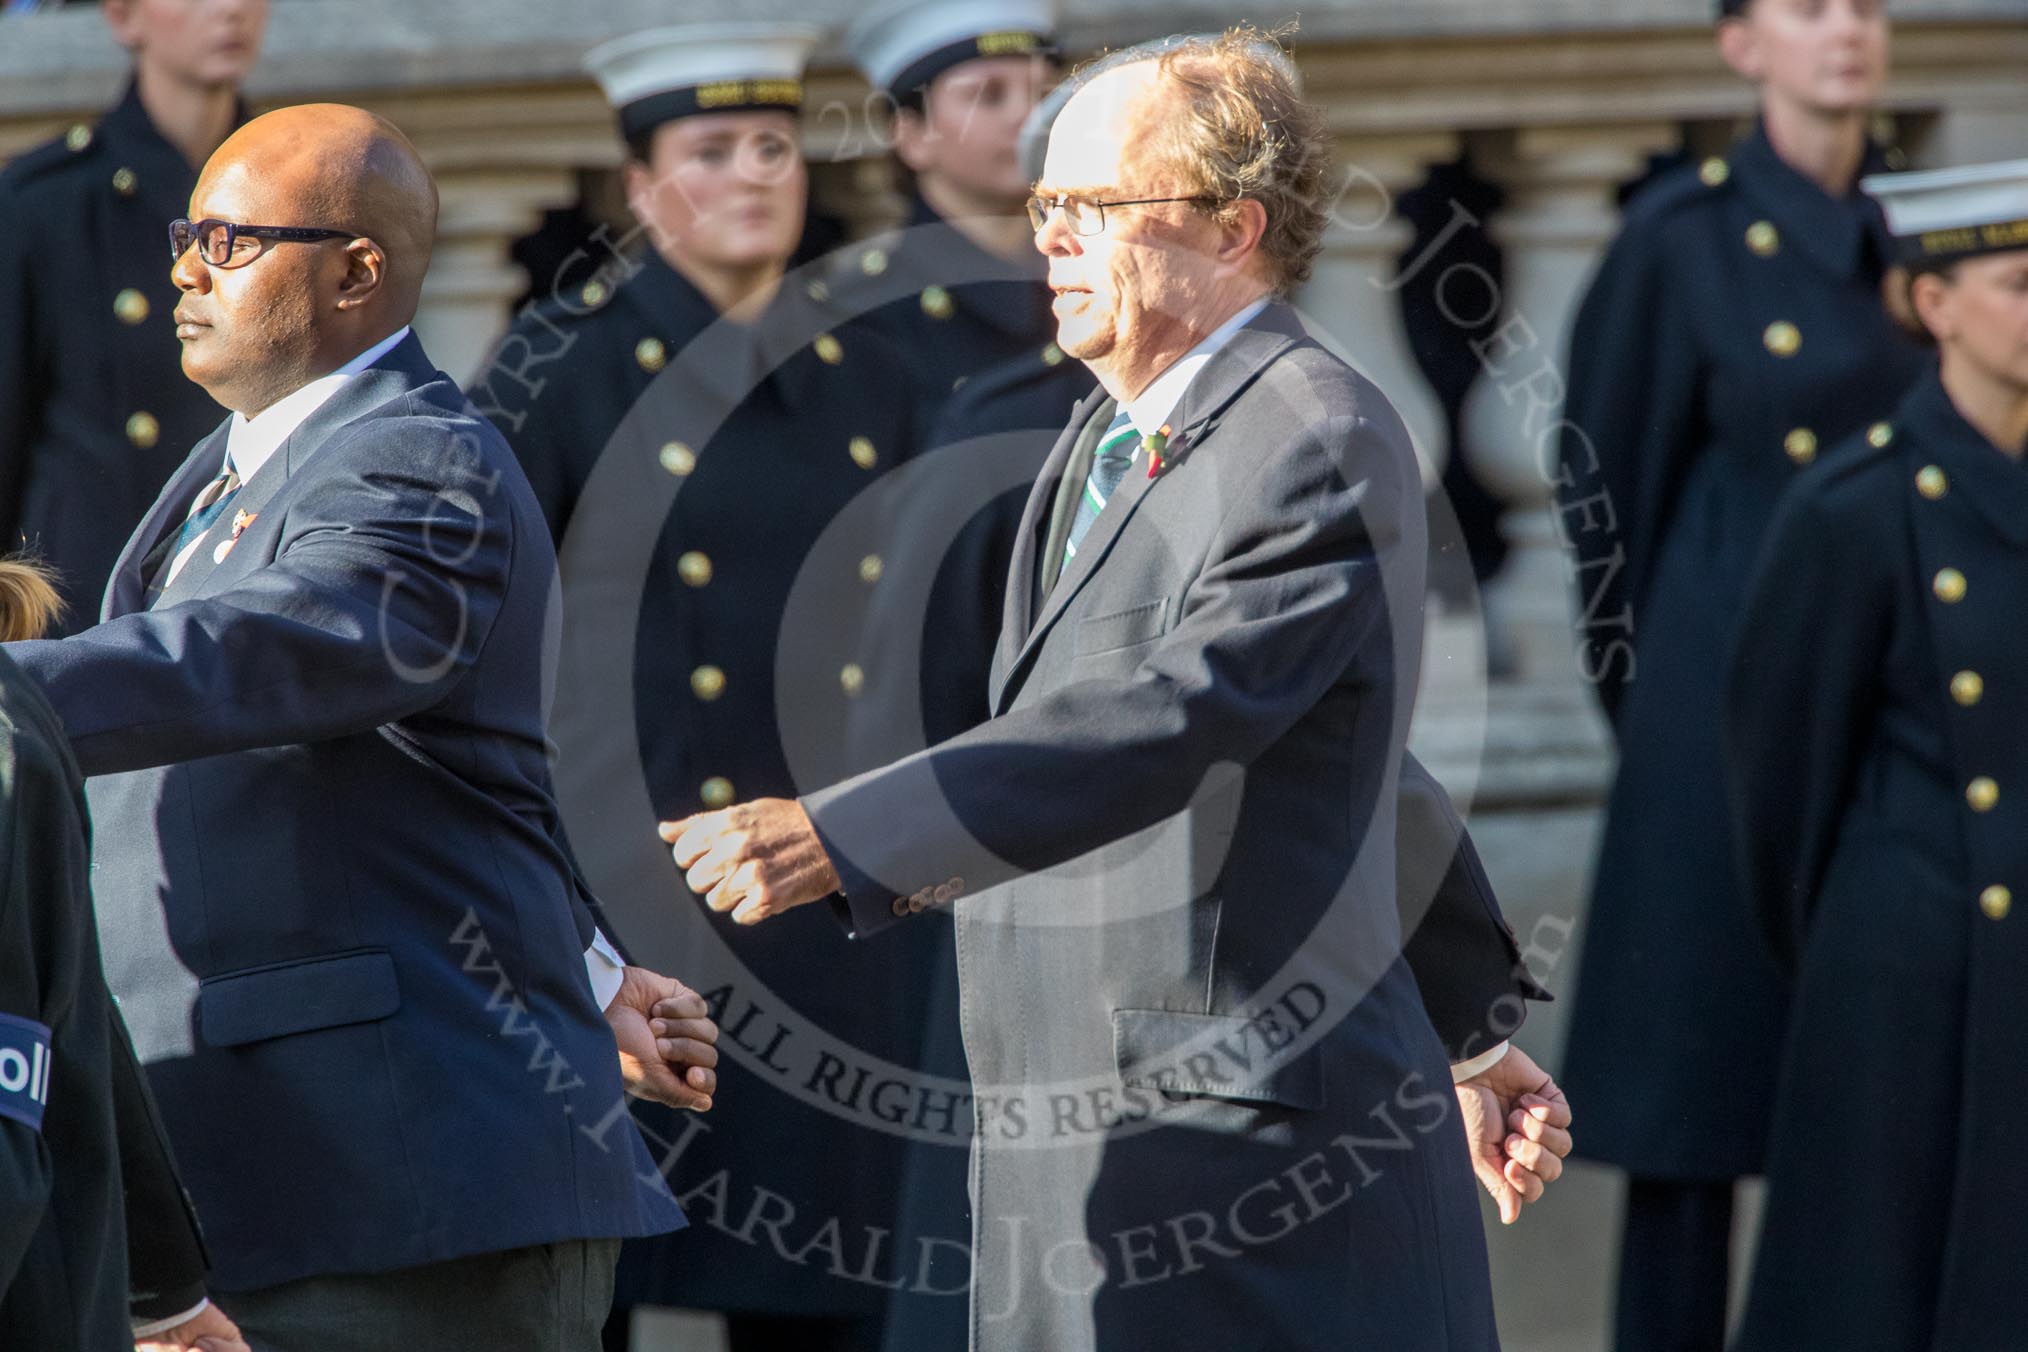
(549, 1298)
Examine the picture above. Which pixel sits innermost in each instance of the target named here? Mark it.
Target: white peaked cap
(651, 76)
(1951, 213)
(901, 45)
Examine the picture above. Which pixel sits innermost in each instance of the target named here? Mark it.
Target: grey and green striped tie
(1109, 465)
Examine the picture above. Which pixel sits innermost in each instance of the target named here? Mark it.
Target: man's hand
(666, 1038)
(209, 1331)
(1517, 1126)
(755, 859)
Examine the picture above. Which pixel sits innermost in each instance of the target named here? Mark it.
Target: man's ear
(912, 139)
(1240, 237)
(1737, 46)
(365, 274)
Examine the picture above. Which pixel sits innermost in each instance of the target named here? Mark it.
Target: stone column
(1350, 296)
(501, 156)
(1559, 216)
(472, 281)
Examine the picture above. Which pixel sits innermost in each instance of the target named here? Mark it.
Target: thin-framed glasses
(228, 244)
(1087, 215)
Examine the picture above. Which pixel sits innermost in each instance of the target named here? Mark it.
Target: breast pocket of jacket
(1117, 630)
(301, 996)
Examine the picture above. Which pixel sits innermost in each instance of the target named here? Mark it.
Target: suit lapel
(1235, 366)
(126, 591)
(392, 377)
(1019, 606)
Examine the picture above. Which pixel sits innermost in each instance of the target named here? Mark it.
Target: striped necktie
(1109, 465)
(204, 513)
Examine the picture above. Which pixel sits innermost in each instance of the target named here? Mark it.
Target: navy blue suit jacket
(332, 891)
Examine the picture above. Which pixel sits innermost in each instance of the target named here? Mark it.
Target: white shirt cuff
(155, 1326)
(603, 965)
(1478, 1065)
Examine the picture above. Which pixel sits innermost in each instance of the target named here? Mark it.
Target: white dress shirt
(251, 442)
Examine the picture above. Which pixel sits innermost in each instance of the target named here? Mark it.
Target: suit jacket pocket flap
(1221, 1055)
(297, 997)
(1121, 628)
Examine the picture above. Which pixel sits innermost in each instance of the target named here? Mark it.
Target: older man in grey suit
(1209, 1105)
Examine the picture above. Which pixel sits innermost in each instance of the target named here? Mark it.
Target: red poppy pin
(1156, 444)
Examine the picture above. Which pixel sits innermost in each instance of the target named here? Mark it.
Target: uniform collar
(672, 310)
(1994, 483)
(252, 442)
(1840, 234)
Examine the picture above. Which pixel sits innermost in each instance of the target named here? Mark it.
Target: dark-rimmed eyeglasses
(1087, 215)
(228, 244)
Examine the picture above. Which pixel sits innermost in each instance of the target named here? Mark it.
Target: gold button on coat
(143, 430)
(870, 569)
(594, 294)
(124, 182)
(829, 350)
(677, 458)
(695, 568)
(1801, 445)
(1968, 688)
(1949, 586)
(707, 683)
(131, 306)
(873, 262)
(1714, 171)
(1879, 434)
(936, 302)
(862, 452)
(1763, 238)
(650, 353)
(817, 291)
(78, 137)
(1996, 901)
(900, 907)
(1983, 794)
(852, 678)
(1052, 355)
(1783, 338)
(1932, 482)
(716, 793)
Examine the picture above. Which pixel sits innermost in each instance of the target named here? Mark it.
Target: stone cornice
(63, 63)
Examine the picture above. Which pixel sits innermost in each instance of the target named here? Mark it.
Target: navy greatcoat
(1735, 328)
(95, 411)
(1875, 723)
(765, 433)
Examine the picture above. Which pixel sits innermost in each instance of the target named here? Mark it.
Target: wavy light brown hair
(28, 600)
(1238, 128)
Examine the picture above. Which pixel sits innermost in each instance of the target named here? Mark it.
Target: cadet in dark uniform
(1735, 329)
(95, 412)
(706, 369)
(97, 1242)
(1876, 722)
(959, 286)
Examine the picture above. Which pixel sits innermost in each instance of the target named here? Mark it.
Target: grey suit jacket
(1209, 1105)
